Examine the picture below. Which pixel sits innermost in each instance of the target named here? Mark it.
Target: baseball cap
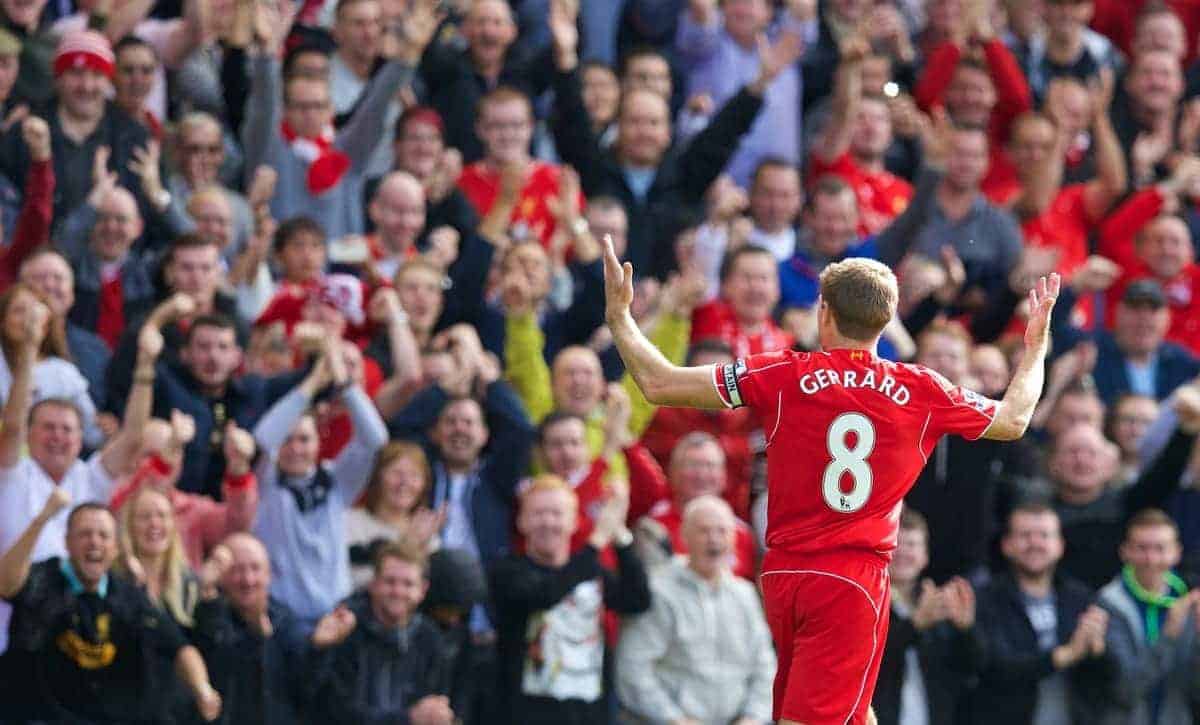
(1144, 292)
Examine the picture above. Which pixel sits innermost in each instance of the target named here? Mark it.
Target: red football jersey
(847, 435)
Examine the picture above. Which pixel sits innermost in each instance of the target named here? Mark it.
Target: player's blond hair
(862, 295)
(547, 482)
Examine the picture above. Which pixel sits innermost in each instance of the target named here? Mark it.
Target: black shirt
(94, 656)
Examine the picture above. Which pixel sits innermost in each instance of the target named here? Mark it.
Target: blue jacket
(1175, 366)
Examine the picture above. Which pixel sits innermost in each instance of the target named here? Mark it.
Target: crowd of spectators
(310, 414)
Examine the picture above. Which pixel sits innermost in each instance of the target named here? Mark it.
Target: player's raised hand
(1041, 305)
(618, 283)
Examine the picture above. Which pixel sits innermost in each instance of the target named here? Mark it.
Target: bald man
(720, 670)
(257, 650)
(398, 212)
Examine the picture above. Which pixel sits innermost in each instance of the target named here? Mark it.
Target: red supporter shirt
(1000, 185)
(1063, 226)
(847, 435)
(716, 319)
(881, 195)
(481, 184)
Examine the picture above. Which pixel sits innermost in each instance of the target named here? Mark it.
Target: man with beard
(549, 606)
(1042, 642)
(671, 667)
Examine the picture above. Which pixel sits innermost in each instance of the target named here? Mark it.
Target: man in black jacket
(550, 604)
(659, 184)
(392, 668)
(1041, 645)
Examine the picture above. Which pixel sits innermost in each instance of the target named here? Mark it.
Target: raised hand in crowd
(36, 134)
(239, 449)
(333, 628)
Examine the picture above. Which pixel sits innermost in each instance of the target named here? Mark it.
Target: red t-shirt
(481, 184)
(1063, 226)
(1000, 184)
(847, 435)
(881, 195)
(716, 319)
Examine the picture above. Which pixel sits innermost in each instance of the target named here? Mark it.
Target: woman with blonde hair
(152, 554)
(395, 507)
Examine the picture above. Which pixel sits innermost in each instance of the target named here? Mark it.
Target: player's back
(847, 435)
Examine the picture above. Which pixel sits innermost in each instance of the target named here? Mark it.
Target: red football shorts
(828, 615)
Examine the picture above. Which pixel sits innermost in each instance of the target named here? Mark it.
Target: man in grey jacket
(289, 127)
(1152, 629)
(702, 654)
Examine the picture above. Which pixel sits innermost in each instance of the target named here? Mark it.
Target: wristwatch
(161, 200)
(579, 227)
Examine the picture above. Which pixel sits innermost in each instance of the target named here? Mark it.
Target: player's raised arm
(1016, 409)
(661, 382)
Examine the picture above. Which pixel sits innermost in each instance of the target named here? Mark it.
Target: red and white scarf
(326, 164)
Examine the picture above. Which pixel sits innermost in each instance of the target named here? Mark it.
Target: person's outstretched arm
(1016, 409)
(661, 382)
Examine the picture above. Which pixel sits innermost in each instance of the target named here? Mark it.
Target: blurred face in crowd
(530, 260)
(460, 433)
(311, 62)
(989, 367)
(564, 446)
(1069, 105)
(419, 148)
(1025, 17)
(1132, 417)
(601, 94)
(489, 29)
(577, 381)
(833, 220)
(398, 211)
(1140, 328)
(1065, 19)
(547, 519)
(55, 438)
(944, 15)
(152, 525)
(195, 271)
(396, 591)
(610, 220)
(134, 79)
(644, 130)
(10, 66)
(82, 92)
(775, 198)
(745, 19)
(212, 355)
(697, 470)
(247, 582)
(403, 484)
(968, 160)
(1032, 142)
(1082, 463)
(307, 106)
(358, 30)
(51, 277)
(118, 225)
(329, 317)
(1165, 245)
(1033, 544)
(911, 556)
(92, 545)
(302, 257)
(752, 288)
(213, 216)
(506, 128)
(201, 151)
(876, 72)
(298, 455)
(15, 316)
(420, 291)
(648, 72)
(23, 13)
(970, 96)
(708, 531)
(1154, 83)
(1074, 408)
(1152, 551)
(872, 129)
(945, 353)
(1160, 31)
(849, 10)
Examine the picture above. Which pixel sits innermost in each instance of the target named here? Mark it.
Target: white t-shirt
(24, 489)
